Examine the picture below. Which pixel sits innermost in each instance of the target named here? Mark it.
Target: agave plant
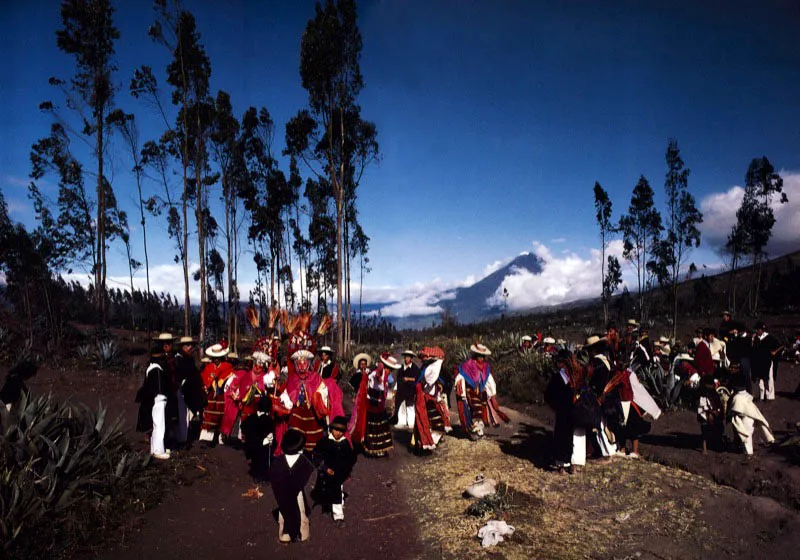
(56, 456)
(85, 351)
(108, 353)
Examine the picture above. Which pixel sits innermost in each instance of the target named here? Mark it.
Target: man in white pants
(745, 416)
(764, 361)
(157, 384)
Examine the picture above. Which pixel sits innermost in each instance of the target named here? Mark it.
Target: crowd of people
(283, 403)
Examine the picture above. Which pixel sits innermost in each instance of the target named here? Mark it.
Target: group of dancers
(283, 404)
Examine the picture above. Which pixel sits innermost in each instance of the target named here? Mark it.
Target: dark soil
(204, 514)
(760, 516)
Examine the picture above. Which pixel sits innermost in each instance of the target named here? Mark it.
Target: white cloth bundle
(493, 532)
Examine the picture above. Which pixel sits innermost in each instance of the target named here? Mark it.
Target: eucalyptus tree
(755, 217)
(603, 206)
(330, 137)
(87, 33)
(641, 228)
(682, 217)
(189, 73)
(225, 148)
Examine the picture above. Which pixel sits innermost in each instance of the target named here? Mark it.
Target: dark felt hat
(339, 423)
(293, 442)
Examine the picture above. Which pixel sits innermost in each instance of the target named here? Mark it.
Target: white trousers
(766, 390)
(159, 426)
(338, 509)
(405, 417)
(745, 427)
(579, 447)
(305, 530)
(607, 448)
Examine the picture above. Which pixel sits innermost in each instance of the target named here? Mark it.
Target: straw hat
(205, 360)
(549, 340)
(666, 349)
(526, 338)
(684, 356)
(408, 353)
(592, 340)
(480, 349)
(217, 351)
(302, 354)
(326, 349)
(632, 323)
(233, 355)
(362, 356)
(186, 340)
(164, 337)
(390, 362)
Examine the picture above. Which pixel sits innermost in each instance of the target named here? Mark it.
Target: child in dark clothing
(289, 474)
(334, 458)
(258, 432)
(710, 413)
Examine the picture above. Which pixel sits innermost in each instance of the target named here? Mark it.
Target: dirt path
(208, 518)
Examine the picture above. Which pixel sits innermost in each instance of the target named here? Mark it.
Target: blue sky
(495, 118)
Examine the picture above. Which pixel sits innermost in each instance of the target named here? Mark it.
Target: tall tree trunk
(101, 225)
(228, 236)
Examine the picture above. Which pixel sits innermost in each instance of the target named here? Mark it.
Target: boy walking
(334, 458)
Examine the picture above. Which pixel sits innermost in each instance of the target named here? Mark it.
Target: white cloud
(563, 279)
(719, 216)
(559, 240)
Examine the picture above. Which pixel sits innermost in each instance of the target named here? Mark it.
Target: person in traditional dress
(612, 339)
(710, 413)
(406, 394)
(369, 423)
(628, 342)
(306, 398)
(328, 370)
(558, 396)
(289, 475)
(431, 408)
(258, 431)
(703, 360)
(718, 350)
(215, 374)
(764, 361)
(725, 325)
(334, 458)
(476, 392)
(526, 344)
(601, 373)
(548, 348)
(745, 417)
(152, 398)
(243, 391)
(361, 363)
(190, 393)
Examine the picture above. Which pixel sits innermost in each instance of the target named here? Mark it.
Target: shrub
(108, 353)
(55, 459)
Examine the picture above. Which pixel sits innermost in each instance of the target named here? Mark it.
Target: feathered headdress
(324, 325)
(252, 316)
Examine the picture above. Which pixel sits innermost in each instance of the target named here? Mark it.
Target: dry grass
(586, 515)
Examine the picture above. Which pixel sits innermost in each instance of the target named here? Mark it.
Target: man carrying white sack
(745, 416)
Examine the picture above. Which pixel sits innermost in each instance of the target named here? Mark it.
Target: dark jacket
(190, 383)
(340, 458)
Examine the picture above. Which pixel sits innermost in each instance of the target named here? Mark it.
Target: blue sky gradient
(494, 118)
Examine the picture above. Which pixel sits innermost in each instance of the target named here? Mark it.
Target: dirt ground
(207, 516)
(754, 512)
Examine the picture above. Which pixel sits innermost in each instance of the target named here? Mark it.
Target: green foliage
(56, 459)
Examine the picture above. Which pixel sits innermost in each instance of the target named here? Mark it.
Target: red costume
(214, 377)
